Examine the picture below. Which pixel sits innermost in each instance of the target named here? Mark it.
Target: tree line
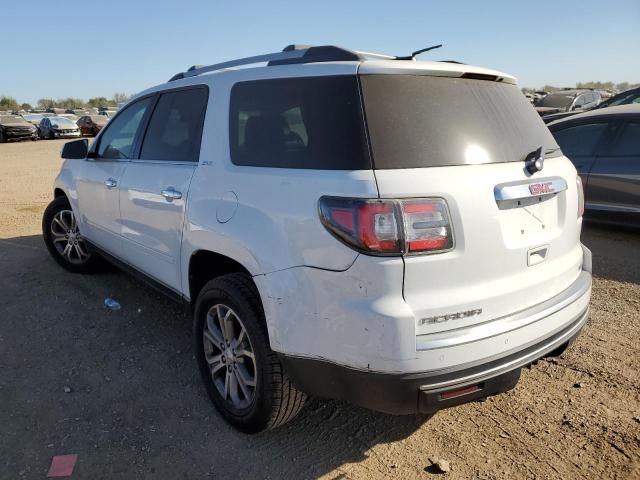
(10, 103)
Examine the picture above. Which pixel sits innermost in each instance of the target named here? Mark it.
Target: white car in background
(403, 235)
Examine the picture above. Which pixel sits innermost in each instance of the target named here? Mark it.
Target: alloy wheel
(67, 239)
(229, 356)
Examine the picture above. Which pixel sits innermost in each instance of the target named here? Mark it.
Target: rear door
(98, 178)
(155, 186)
(614, 182)
(516, 234)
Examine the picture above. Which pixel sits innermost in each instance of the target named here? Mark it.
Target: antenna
(418, 52)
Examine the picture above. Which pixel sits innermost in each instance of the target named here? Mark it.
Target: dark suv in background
(14, 127)
(604, 145)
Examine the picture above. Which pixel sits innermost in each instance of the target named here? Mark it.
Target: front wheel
(243, 376)
(63, 239)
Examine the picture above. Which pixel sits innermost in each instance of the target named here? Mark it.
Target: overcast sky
(56, 49)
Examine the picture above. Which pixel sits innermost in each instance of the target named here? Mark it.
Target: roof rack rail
(292, 54)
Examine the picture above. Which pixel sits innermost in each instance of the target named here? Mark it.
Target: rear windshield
(308, 122)
(425, 121)
(557, 101)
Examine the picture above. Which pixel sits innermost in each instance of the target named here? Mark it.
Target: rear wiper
(417, 52)
(534, 161)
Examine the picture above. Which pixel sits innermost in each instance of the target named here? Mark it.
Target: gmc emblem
(541, 188)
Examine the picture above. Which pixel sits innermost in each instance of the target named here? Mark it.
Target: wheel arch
(205, 265)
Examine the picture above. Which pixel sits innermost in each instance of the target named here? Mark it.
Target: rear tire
(232, 352)
(63, 240)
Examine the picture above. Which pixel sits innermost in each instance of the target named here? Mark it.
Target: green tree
(46, 103)
(26, 106)
(8, 103)
(120, 97)
(100, 102)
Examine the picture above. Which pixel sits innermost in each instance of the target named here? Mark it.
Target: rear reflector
(460, 392)
(580, 196)
(389, 227)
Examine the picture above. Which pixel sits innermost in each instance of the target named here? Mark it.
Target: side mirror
(75, 150)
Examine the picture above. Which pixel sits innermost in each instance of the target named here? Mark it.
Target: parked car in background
(56, 111)
(70, 116)
(567, 102)
(79, 112)
(624, 98)
(57, 127)
(91, 124)
(33, 118)
(14, 127)
(604, 145)
(108, 113)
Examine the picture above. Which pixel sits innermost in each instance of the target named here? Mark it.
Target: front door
(99, 178)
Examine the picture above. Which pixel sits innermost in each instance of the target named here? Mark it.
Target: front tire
(243, 376)
(63, 239)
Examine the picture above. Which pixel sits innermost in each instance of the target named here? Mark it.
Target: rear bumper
(475, 367)
(424, 392)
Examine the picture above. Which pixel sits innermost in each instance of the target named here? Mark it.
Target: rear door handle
(110, 183)
(171, 194)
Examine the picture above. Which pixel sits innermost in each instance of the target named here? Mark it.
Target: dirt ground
(136, 408)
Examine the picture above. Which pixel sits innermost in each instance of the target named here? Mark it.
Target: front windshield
(557, 101)
(33, 117)
(62, 122)
(11, 119)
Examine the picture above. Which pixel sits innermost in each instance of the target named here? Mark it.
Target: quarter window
(175, 128)
(308, 123)
(117, 140)
(579, 140)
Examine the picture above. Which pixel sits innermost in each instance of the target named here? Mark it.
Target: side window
(310, 122)
(117, 139)
(579, 140)
(175, 128)
(628, 142)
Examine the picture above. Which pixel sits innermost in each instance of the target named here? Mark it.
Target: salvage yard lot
(121, 389)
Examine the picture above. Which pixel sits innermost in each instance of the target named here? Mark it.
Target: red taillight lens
(389, 227)
(580, 196)
(426, 225)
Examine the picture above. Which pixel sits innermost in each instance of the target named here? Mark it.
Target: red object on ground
(62, 465)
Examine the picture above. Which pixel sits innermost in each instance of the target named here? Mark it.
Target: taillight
(389, 227)
(580, 196)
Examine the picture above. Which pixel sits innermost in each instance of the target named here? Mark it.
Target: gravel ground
(121, 390)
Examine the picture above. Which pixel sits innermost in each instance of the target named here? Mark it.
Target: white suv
(402, 235)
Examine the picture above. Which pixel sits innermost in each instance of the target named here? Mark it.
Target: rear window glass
(308, 122)
(580, 140)
(424, 121)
